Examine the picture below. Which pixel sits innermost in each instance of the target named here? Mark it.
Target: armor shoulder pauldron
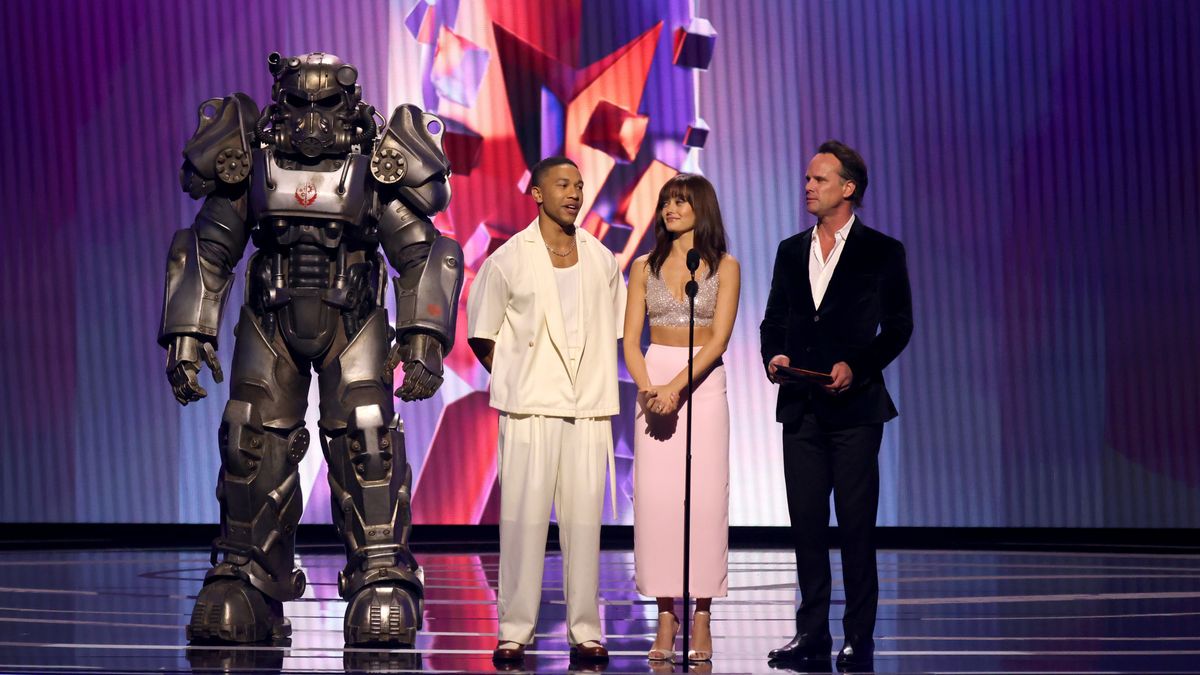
(219, 151)
(410, 159)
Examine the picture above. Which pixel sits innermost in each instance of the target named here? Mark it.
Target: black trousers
(816, 461)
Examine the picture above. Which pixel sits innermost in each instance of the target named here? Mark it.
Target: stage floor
(946, 611)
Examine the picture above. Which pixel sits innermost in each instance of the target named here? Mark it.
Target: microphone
(693, 263)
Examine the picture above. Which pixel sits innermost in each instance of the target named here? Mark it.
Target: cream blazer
(514, 302)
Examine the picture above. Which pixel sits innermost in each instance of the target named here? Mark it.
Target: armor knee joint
(370, 442)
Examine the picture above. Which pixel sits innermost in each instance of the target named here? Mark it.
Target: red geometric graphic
(463, 147)
(425, 20)
(458, 68)
(517, 80)
(621, 84)
(640, 206)
(615, 131)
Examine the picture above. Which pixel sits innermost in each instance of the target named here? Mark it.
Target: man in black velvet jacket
(840, 304)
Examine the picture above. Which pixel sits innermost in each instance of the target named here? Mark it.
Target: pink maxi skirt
(660, 443)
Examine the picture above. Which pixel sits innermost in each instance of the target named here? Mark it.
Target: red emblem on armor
(306, 194)
(433, 310)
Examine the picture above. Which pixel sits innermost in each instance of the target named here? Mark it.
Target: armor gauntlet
(196, 292)
(430, 305)
(425, 318)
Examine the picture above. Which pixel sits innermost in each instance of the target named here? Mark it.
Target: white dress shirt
(820, 269)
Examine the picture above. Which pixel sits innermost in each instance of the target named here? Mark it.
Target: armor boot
(243, 594)
(369, 482)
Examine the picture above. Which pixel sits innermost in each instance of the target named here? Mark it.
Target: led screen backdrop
(1037, 159)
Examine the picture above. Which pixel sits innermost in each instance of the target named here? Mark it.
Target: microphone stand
(691, 289)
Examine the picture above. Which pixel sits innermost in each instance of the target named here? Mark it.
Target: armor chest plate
(338, 195)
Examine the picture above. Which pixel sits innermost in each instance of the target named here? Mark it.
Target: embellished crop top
(667, 310)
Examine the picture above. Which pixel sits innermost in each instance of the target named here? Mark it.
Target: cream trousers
(546, 461)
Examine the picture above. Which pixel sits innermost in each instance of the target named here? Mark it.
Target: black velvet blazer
(865, 319)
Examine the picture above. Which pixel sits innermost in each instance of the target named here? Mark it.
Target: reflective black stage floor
(943, 611)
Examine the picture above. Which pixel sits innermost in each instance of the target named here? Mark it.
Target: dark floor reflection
(124, 611)
(210, 659)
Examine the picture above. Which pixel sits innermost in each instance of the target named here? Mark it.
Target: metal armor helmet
(318, 108)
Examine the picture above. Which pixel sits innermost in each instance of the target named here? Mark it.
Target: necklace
(565, 254)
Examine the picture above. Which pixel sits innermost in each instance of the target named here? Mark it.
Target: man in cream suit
(544, 316)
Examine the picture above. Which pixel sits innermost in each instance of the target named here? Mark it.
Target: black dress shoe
(804, 647)
(855, 654)
(589, 652)
(502, 655)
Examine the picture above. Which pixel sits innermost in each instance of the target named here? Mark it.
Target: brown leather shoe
(589, 652)
(502, 654)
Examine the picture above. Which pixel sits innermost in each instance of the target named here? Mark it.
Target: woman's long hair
(709, 233)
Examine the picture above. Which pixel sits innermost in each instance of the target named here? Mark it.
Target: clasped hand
(660, 400)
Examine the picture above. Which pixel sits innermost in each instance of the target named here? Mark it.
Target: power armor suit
(317, 187)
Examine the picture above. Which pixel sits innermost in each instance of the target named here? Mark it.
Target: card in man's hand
(790, 374)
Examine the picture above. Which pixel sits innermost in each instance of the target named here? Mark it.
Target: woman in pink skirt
(688, 217)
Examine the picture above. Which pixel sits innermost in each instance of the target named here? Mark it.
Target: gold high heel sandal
(667, 654)
(697, 655)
